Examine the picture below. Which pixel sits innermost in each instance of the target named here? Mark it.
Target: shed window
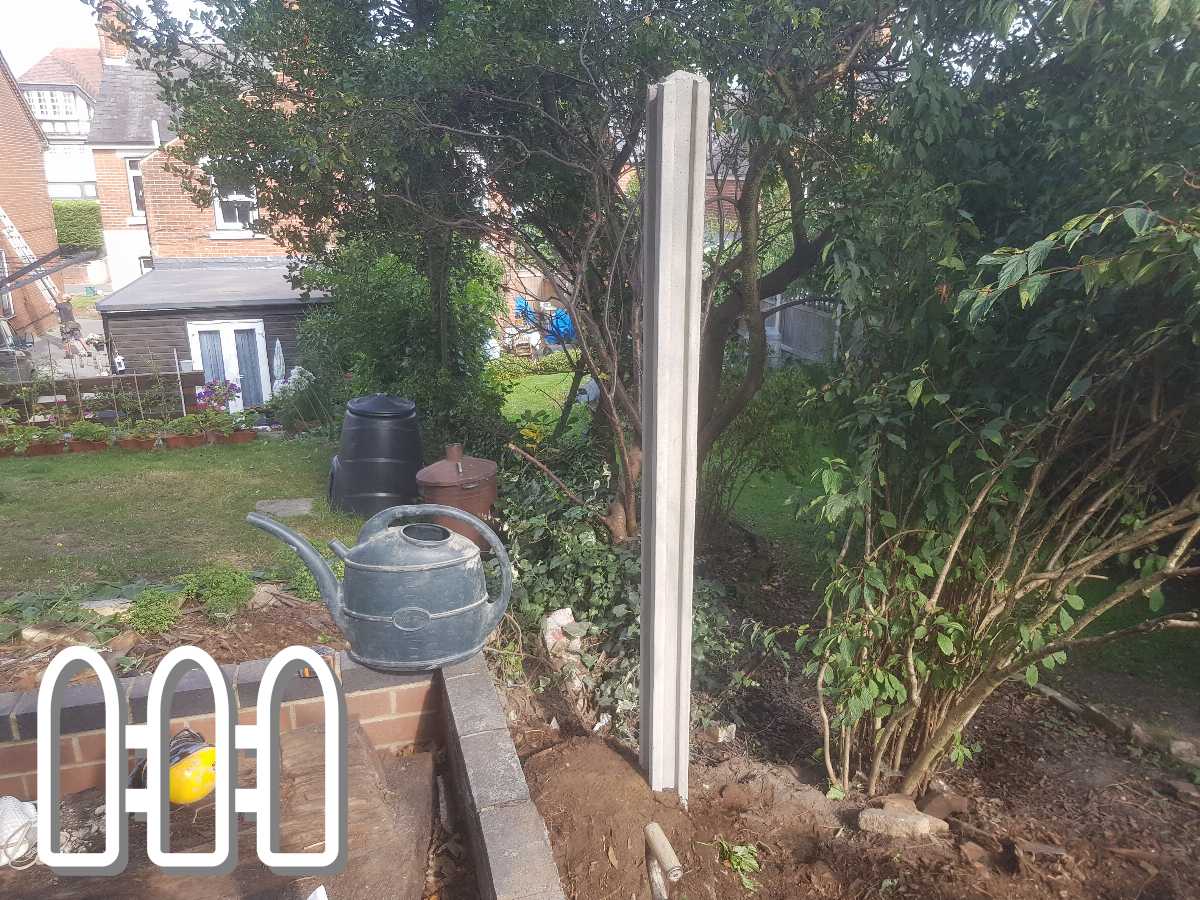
(137, 195)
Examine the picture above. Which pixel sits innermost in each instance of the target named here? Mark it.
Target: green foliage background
(78, 224)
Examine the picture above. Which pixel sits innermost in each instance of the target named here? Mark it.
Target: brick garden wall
(395, 711)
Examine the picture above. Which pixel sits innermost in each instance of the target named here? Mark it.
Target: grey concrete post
(672, 255)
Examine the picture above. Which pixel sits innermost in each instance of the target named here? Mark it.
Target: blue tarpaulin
(558, 327)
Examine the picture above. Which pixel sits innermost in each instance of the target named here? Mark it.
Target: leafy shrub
(78, 224)
(223, 590)
(146, 428)
(509, 365)
(378, 336)
(17, 437)
(216, 420)
(154, 611)
(88, 431)
(49, 434)
(185, 425)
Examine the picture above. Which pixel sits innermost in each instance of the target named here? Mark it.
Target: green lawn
(537, 394)
(116, 516)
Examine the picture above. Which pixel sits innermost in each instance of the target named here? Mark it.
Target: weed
(222, 589)
(742, 859)
(154, 611)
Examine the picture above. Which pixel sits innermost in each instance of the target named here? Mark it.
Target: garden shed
(220, 317)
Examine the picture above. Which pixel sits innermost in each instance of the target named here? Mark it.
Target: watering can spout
(327, 582)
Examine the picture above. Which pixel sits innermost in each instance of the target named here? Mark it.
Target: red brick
(91, 746)
(22, 757)
(370, 704)
(400, 730)
(18, 786)
(248, 716)
(419, 698)
(79, 778)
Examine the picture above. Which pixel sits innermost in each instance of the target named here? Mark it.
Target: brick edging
(511, 847)
(394, 710)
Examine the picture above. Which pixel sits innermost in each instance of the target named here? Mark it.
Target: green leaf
(914, 391)
(897, 440)
(1014, 270)
(1156, 599)
(835, 793)
(946, 644)
(1031, 675)
(1074, 601)
(1139, 218)
(1064, 618)
(951, 261)
(1161, 8)
(1037, 254)
(1129, 265)
(1032, 287)
(887, 519)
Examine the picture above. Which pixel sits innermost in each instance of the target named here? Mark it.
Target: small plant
(146, 428)
(216, 420)
(49, 434)
(742, 859)
(8, 417)
(299, 580)
(17, 438)
(222, 589)
(84, 430)
(245, 420)
(154, 611)
(185, 425)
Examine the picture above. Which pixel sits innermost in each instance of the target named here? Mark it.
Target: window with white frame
(137, 194)
(235, 204)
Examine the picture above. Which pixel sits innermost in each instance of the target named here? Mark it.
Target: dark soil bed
(257, 633)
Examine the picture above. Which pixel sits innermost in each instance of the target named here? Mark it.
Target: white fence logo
(120, 800)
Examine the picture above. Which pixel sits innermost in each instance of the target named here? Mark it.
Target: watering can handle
(387, 518)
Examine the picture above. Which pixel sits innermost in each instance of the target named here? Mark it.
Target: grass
(1169, 657)
(119, 516)
(537, 394)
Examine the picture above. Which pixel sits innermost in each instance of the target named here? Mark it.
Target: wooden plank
(677, 130)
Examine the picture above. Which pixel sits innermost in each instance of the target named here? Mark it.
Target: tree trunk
(437, 252)
(560, 427)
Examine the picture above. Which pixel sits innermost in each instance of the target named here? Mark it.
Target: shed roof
(78, 66)
(205, 285)
(127, 103)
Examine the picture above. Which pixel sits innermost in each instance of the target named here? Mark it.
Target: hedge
(78, 223)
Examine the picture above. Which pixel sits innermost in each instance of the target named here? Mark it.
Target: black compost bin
(380, 454)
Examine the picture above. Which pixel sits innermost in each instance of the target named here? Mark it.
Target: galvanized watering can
(413, 597)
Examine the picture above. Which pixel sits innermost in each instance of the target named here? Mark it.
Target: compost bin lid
(456, 469)
(382, 406)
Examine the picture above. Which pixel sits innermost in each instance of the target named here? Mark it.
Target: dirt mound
(596, 804)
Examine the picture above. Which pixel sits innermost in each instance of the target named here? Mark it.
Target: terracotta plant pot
(43, 449)
(183, 441)
(132, 443)
(241, 437)
(87, 446)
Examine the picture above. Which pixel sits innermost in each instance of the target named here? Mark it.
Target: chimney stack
(112, 51)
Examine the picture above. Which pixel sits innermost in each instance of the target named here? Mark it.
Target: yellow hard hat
(193, 777)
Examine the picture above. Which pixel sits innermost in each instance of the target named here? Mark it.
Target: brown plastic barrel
(464, 482)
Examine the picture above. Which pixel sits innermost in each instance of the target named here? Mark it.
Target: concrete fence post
(672, 255)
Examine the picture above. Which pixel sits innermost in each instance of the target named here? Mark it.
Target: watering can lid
(382, 406)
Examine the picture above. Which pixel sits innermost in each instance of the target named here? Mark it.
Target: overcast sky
(29, 29)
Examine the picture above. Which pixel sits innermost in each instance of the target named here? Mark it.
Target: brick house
(27, 227)
(192, 283)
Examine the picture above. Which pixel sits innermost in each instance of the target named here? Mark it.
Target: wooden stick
(575, 498)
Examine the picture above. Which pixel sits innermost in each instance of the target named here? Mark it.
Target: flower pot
(241, 437)
(43, 449)
(87, 446)
(134, 443)
(181, 441)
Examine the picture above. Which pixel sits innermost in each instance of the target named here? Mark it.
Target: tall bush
(78, 224)
(378, 335)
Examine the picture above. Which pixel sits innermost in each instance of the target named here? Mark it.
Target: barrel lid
(456, 469)
(382, 406)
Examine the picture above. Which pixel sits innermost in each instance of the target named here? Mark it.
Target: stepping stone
(285, 509)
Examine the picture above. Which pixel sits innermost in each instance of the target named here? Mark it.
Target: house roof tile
(77, 66)
(127, 103)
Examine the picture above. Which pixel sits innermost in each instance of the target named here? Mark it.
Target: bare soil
(255, 634)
